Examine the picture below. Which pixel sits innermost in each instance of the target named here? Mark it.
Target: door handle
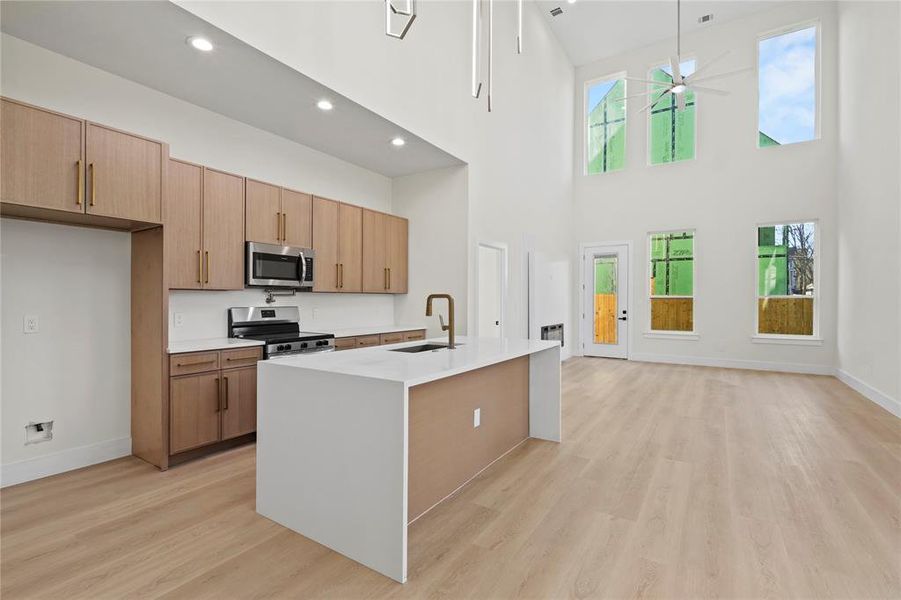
(278, 226)
(218, 395)
(207, 255)
(199, 267)
(389, 278)
(226, 392)
(80, 197)
(284, 227)
(342, 276)
(93, 183)
(622, 318)
(337, 276)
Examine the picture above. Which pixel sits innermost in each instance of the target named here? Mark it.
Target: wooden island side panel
(445, 450)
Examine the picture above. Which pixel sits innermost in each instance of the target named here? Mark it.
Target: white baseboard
(66, 460)
(731, 363)
(870, 393)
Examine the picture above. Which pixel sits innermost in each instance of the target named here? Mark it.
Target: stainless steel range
(279, 327)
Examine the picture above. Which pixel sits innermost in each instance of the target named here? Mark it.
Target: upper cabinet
(384, 253)
(204, 228)
(57, 162)
(350, 247)
(125, 175)
(278, 216)
(338, 242)
(41, 158)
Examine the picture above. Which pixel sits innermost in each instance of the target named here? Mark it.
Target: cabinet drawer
(410, 336)
(193, 362)
(345, 343)
(240, 357)
(392, 338)
(368, 340)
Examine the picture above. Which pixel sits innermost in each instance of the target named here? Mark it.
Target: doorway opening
(492, 289)
(605, 300)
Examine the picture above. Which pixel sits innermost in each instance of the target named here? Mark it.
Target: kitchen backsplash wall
(203, 313)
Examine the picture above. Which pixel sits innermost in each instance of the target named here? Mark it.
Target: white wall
(436, 204)
(519, 156)
(722, 194)
(868, 200)
(76, 369)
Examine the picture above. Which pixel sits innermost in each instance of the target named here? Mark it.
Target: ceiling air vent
(705, 19)
(556, 12)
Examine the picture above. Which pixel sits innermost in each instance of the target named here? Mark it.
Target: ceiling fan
(678, 83)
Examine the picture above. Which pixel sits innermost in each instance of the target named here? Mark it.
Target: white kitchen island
(353, 446)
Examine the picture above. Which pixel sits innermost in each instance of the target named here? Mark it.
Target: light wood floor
(673, 481)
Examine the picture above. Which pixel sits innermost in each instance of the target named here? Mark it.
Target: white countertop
(379, 362)
(211, 344)
(358, 331)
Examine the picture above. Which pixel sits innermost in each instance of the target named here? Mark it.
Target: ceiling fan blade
(674, 67)
(680, 101)
(651, 81)
(655, 101)
(706, 66)
(692, 79)
(707, 90)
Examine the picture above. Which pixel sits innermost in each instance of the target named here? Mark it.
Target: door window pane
(605, 274)
(787, 83)
(606, 119)
(672, 281)
(785, 278)
(672, 130)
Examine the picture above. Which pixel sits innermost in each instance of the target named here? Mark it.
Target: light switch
(476, 417)
(179, 319)
(30, 324)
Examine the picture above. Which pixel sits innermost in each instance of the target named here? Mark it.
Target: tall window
(606, 125)
(672, 281)
(672, 130)
(787, 67)
(785, 278)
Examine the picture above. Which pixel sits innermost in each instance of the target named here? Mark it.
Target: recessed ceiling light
(200, 43)
(324, 105)
(571, 1)
(398, 141)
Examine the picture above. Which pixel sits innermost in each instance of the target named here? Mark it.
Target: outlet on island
(476, 417)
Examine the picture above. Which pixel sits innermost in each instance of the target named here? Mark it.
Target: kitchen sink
(422, 348)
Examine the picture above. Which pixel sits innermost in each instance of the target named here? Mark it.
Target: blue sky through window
(787, 67)
(597, 91)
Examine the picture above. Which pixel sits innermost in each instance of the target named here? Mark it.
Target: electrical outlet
(476, 417)
(31, 324)
(178, 319)
(35, 433)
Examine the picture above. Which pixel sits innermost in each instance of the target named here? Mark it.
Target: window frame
(818, 80)
(664, 333)
(786, 338)
(647, 75)
(585, 137)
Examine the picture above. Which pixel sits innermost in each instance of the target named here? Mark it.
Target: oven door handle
(302, 268)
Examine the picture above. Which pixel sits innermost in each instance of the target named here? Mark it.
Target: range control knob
(304, 345)
(280, 347)
(322, 343)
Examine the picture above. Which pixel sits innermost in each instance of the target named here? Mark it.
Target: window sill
(671, 335)
(790, 340)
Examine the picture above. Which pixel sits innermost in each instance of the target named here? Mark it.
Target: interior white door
(490, 291)
(605, 304)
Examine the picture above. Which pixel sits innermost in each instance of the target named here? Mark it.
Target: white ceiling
(590, 30)
(144, 41)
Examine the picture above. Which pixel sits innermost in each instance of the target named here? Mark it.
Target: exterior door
(605, 317)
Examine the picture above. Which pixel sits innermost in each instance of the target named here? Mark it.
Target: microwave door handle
(302, 268)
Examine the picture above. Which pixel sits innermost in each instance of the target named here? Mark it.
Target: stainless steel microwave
(273, 266)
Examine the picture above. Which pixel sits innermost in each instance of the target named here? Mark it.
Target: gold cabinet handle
(93, 183)
(80, 197)
(199, 268)
(385, 278)
(337, 276)
(226, 392)
(342, 276)
(218, 395)
(207, 256)
(389, 278)
(278, 226)
(284, 227)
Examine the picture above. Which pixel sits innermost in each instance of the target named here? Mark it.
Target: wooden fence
(672, 314)
(787, 316)
(605, 318)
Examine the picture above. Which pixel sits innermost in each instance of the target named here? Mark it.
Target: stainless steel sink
(422, 348)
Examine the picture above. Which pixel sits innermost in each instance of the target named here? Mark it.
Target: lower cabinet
(379, 339)
(215, 405)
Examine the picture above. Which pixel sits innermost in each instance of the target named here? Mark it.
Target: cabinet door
(124, 175)
(184, 198)
(350, 247)
(41, 158)
(397, 254)
(297, 219)
(263, 213)
(223, 230)
(375, 246)
(193, 411)
(325, 243)
(239, 402)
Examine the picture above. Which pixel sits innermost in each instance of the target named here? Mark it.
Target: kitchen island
(354, 446)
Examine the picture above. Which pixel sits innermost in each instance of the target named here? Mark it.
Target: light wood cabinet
(325, 243)
(263, 213)
(365, 341)
(223, 230)
(41, 158)
(193, 411)
(239, 402)
(125, 174)
(297, 219)
(345, 343)
(384, 253)
(350, 247)
(391, 338)
(204, 228)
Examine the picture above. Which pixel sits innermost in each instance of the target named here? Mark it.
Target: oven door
(269, 265)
